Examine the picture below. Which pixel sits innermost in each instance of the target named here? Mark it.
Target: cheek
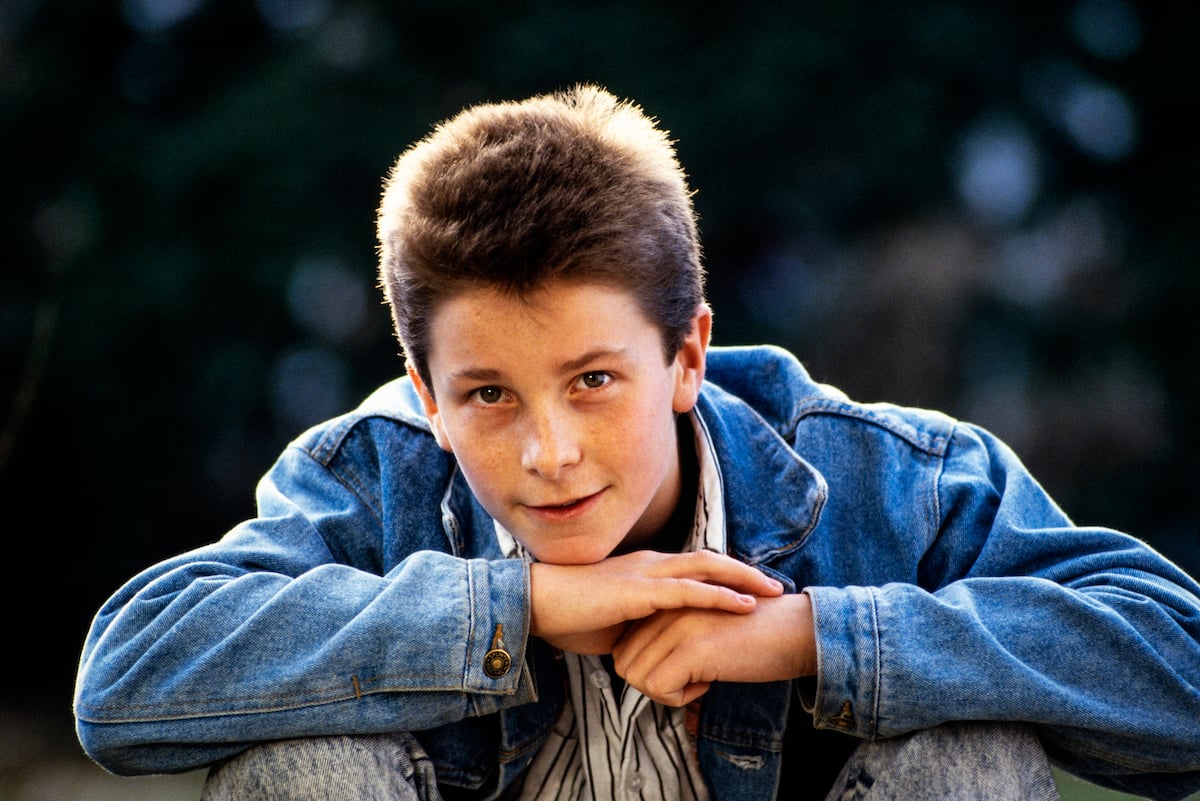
(480, 456)
(486, 479)
(646, 436)
(478, 452)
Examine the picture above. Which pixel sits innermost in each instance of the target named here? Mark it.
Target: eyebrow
(589, 357)
(476, 374)
(488, 374)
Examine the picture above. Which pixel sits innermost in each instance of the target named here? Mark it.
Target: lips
(565, 510)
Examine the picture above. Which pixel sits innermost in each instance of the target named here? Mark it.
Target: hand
(673, 656)
(585, 608)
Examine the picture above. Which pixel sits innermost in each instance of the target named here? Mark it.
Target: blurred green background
(985, 208)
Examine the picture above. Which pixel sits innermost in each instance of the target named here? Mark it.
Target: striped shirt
(612, 743)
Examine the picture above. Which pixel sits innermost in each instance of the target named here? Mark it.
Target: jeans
(377, 767)
(953, 762)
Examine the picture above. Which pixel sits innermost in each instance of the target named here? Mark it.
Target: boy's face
(560, 409)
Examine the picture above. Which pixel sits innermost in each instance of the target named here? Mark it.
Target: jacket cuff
(846, 693)
(496, 673)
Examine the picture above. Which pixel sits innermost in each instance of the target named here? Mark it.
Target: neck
(674, 533)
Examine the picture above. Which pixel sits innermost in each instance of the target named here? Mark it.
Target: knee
(392, 767)
(969, 761)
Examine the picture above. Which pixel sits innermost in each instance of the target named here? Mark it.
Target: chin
(572, 556)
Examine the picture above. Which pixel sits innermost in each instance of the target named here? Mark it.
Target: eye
(593, 380)
(488, 395)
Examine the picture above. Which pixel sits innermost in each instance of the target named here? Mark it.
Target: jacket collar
(773, 497)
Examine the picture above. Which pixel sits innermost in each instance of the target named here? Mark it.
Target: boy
(578, 553)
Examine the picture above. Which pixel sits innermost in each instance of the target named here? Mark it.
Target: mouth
(566, 509)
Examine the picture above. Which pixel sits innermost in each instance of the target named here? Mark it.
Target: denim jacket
(946, 585)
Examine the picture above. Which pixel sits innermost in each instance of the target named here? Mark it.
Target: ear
(431, 410)
(690, 360)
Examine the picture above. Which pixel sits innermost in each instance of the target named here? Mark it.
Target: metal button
(496, 662)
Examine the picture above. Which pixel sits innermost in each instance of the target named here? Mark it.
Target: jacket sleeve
(1020, 615)
(296, 624)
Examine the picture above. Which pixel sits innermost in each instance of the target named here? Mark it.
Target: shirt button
(600, 678)
(634, 782)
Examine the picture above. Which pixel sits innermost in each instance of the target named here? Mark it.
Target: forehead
(559, 319)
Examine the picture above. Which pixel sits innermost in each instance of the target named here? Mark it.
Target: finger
(657, 655)
(714, 568)
(691, 693)
(681, 697)
(635, 638)
(679, 593)
(672, 680)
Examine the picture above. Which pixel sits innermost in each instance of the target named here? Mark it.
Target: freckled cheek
(483, 456)
(642, 439)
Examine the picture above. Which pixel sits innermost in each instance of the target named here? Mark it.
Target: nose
(551, 443)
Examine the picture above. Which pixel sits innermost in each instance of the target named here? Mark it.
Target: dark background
(985, 208)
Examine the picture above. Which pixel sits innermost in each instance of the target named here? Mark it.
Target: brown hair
(575, 185)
